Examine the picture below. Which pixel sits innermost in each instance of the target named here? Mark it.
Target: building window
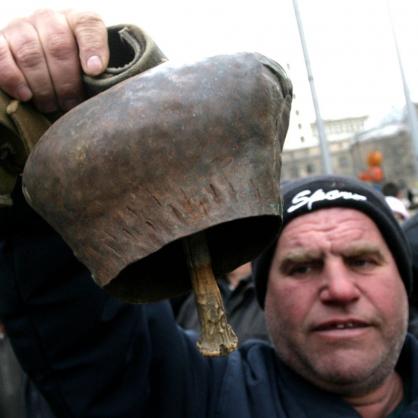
(343, 161)
(310, 168)
(294, 172)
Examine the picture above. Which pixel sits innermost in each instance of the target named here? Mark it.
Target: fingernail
(94, 65)
(23, 93)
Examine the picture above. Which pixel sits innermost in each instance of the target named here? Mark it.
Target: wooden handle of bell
(217, 337)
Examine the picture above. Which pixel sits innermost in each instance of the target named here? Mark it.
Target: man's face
(336, 307)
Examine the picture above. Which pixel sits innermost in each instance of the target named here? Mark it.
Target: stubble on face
(344, 366)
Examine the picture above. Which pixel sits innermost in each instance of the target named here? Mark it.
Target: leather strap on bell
(132, 51)
(21, 126)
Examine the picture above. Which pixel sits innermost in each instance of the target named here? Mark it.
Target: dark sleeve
(90, 354)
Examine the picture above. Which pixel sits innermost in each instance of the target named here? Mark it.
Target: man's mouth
(340, 325)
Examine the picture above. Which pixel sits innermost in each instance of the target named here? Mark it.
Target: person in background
(242, 309)
(411, 199)
(410, 227)
(392, 194)
(390, 188)
(398, 208)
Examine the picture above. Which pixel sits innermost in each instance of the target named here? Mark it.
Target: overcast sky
(349, 41)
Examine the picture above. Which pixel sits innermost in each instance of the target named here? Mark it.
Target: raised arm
(90, 354)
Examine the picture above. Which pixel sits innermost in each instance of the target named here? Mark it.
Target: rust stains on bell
(170, 153)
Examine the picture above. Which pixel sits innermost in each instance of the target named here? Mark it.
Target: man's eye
(361, 262)
(299, 270)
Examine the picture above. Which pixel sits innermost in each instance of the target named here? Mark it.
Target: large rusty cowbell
(164, 155)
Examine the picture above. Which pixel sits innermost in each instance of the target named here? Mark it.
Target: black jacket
(93, 356)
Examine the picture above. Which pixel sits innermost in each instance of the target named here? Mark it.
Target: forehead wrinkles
(326, 227)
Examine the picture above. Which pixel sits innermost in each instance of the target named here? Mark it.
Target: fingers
(56, 83)
(41, 57)
(12, 80)
(91, 35)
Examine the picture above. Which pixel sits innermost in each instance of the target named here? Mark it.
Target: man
(334, 311)
(334, 287)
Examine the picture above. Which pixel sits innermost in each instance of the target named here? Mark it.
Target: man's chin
(348, 379)
(345, 372)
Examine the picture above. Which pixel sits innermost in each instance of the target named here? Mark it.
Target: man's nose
(339, 284)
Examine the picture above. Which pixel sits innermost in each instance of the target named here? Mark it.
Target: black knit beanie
(309, 194)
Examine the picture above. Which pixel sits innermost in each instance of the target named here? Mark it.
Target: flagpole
(410, 107)
(326, 160)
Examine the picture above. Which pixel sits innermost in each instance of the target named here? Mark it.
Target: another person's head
(390, 188)
(335, 285)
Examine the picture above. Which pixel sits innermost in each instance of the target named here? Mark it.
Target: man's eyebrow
(299, 256)
(361, 249)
